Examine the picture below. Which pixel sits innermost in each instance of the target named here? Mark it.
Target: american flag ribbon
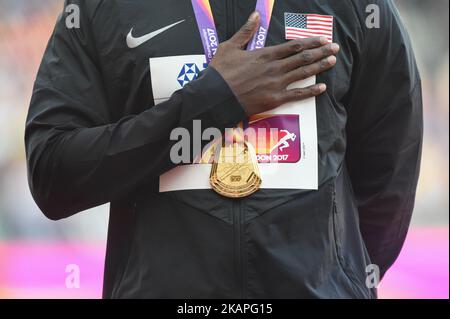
(299, 26)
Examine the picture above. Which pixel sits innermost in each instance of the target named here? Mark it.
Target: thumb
(245, 34)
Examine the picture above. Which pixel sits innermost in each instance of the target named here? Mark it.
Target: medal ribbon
(208, 31)
(210, 40)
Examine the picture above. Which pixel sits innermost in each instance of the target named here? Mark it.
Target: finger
(289, 48)
(245, 34)
(302, 94)
(308, 57)
(307, 71)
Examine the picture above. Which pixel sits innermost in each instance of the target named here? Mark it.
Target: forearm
(88, 166)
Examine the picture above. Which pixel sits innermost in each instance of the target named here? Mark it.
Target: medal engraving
(235, 172)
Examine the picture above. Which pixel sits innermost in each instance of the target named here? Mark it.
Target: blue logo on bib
(188, 73)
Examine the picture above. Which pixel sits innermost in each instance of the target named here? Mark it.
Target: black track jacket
(96, 133)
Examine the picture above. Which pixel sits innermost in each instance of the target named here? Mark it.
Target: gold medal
(235, 171)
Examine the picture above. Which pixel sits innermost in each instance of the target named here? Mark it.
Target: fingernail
(323, 40)
(331, 59)
(254, 16)
(335, 47)
(322, 87)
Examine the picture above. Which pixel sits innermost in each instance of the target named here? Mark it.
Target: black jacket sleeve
(77, 156)
(384, 133)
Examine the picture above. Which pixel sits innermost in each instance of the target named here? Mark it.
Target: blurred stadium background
(34, 252)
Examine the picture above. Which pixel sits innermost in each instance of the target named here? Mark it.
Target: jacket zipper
(239, 250)
(238, 216)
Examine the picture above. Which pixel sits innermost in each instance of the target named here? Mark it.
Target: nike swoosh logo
(133, 42)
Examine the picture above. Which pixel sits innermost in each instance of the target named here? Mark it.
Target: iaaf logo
(276, 151)
(281, 148)
(283, 143)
